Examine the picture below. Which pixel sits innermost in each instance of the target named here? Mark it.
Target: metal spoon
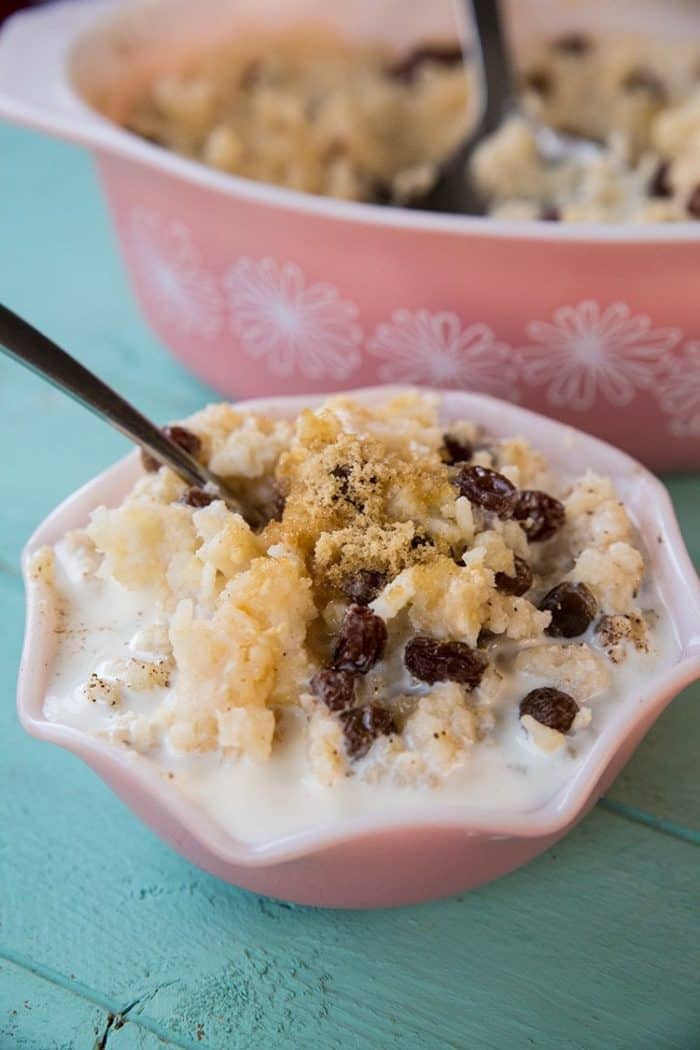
(39, 353)
(453, 191)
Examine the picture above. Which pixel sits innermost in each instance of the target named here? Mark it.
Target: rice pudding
(413, 614)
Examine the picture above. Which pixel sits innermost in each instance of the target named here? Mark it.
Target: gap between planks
(74, 987)
(650, 820)
(114, 1010)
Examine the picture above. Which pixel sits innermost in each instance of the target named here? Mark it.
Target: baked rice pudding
(356, 123)
(310, 113)
(638, 101)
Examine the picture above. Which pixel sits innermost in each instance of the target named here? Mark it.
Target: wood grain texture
(594, 945)
(30, 1008)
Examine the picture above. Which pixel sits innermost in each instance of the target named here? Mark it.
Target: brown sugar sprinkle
(182, 437)
(540, 515)
(335, 689)
(573, 609)
(345, 488)
(487, 488)
(342, 554)
(339, 515)
(362, 726)
(331, 485)
(361, 641)
(550, 707)
(517, 584)
(430, 660)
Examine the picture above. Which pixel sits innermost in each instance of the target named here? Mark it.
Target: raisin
(539, 514)
(550, 214)
(336, 689)
(362, 726)
(573, 43)
(430, 660)
(660, 183)
(517, 584)
(182, 437)
(487, 488)
(573, 609)
(644, 80)
(456, 451)
(364, 586)
(693, 205)
(407, 67)
(195, 497)
(538, 81)
(361, 641)
(550, 707)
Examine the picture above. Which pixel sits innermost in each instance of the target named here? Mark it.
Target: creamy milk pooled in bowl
(418, 619)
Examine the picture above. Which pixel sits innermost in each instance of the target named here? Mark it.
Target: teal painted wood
(593, 945)
(28, 1020)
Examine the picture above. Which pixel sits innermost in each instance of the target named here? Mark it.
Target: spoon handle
(496, 63)
(453, 191)
(39, 353)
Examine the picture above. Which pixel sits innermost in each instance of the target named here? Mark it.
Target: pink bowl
(369, 863)
(263, 291)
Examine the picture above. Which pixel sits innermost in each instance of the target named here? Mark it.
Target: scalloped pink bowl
(262, 291)
(371, 863)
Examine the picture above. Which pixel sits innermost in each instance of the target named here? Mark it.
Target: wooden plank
(38, 1015)
(662, 777)
(44, 1011)
(513, 964)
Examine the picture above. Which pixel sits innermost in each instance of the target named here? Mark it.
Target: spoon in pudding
(454, 191)
(24, 343)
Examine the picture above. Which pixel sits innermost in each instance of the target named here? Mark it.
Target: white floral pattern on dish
(418, 346)
(679, 393)
(590, 350)
(289, 324)
(182, 291)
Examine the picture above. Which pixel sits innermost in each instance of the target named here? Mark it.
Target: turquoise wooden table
(108, 939)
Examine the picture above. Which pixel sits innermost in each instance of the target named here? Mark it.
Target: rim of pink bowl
(65, 23)
(135, 772)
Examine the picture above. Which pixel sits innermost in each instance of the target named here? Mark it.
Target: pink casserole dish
(370, 863)
(262, 291)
